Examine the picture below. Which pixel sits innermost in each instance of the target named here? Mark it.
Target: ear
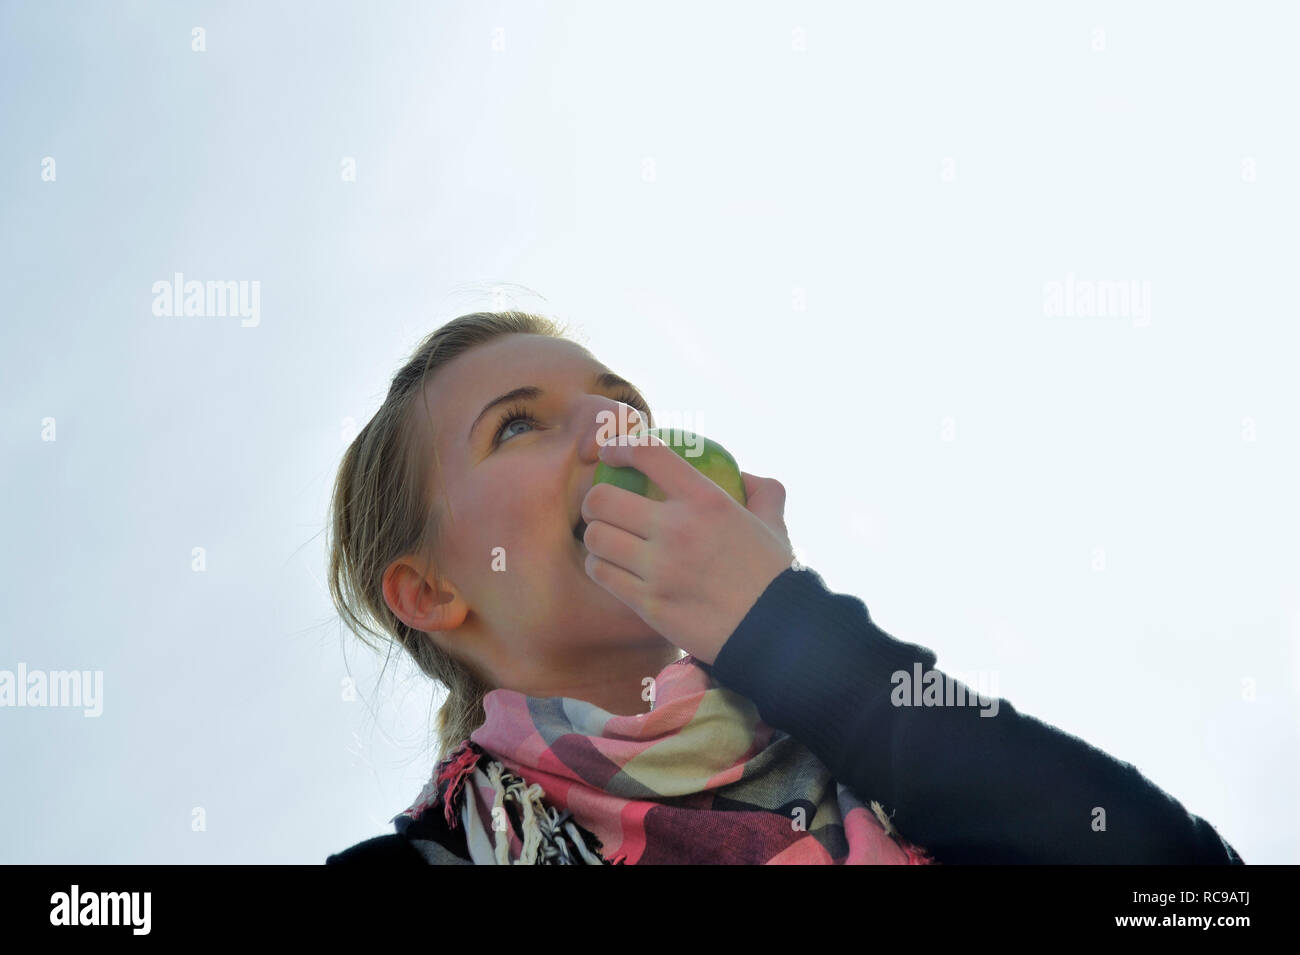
(421, 599)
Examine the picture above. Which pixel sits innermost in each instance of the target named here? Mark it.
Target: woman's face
(524, 610)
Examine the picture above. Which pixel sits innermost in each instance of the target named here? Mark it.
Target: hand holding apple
(692, 564)
(708, 457)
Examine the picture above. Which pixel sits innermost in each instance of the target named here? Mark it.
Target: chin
(602, 612)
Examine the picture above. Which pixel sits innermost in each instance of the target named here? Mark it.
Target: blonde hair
(382, 509)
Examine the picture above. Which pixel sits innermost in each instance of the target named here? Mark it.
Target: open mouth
(579, 529)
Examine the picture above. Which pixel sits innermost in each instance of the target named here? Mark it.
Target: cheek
(512, 512)
(509, 505)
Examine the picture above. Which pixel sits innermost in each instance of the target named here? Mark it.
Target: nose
(601, 419)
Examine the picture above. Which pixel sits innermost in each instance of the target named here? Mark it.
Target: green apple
(712, 460)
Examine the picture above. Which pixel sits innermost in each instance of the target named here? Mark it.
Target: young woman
(637, 681)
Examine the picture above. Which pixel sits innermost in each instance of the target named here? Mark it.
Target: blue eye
(520, 413)
(512, 415)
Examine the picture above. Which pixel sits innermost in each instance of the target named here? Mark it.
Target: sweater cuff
(809, 659)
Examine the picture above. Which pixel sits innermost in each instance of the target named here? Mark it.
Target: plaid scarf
(700, 779)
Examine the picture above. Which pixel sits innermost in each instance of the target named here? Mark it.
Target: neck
(616, 680)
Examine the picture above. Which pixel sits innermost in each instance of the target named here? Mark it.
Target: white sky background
(805, 272)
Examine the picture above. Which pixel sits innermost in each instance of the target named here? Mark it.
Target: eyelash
(520, 412)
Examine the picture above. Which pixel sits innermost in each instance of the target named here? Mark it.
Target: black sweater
(967, 788)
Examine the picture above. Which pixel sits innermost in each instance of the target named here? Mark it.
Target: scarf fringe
(549, 837)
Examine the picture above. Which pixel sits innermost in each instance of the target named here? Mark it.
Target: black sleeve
(1005, 788)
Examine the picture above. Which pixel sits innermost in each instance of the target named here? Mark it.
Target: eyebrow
(607, 381)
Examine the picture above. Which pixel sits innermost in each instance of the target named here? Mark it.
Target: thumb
(766, 497)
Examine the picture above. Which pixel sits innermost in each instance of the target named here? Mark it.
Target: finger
(657, 461)
(616, 546)
(623, 584)
(621, 508)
